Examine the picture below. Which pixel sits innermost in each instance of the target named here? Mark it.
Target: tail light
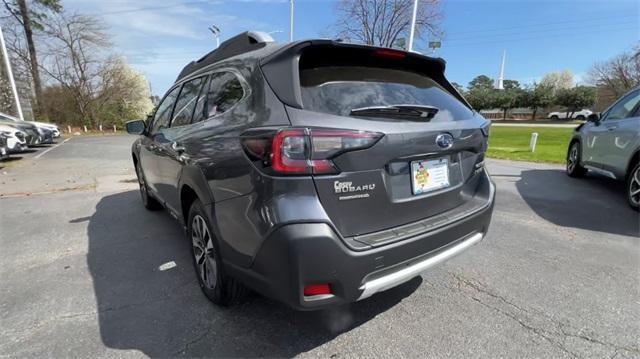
(301, 151)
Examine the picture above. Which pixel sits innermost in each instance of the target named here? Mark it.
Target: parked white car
(16, 139)
(578, 115)
(49, 126)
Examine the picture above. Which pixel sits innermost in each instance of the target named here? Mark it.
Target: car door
(172, 152)
(620, 131)
(153, 138)
(599, 144)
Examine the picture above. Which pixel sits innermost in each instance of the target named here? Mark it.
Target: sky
(159, 38)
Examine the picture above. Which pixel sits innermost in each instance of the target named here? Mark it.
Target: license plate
(430, 175)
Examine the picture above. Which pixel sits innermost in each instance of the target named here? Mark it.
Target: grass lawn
(512, 143)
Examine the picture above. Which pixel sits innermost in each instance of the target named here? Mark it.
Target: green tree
(575, 98)
(511, 85)
(481, 82)
(480, 93)
(458, 87)
(536, 97)
(31, 16)
(505, 100)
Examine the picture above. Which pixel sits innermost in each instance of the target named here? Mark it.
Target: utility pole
(12, 81)
(290, 20)
(216, 32)
(413, 25)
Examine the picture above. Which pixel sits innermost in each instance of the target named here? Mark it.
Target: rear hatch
(430, 145)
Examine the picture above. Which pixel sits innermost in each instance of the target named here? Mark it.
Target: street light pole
(413, 25)
(216, 32)
(290, 20)
(12, 81)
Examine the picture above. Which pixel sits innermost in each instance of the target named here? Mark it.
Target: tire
(148, 201)
(633, 187)
(574, 169)
(215, 284)
(554, 117)
(580, 118)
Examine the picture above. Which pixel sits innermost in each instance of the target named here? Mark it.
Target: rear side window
(224, 91)
(163, 113)
(186, 102)
(339, 89)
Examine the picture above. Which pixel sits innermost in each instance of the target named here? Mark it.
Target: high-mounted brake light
(300, 151)
(390, 54)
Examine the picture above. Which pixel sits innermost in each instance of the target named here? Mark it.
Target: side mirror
(594, 117)
(135, 127)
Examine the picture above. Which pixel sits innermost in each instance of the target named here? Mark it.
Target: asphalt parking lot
(87, 272)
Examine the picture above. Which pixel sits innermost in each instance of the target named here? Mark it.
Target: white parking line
(49, 149)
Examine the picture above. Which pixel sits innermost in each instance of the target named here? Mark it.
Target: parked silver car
(609, 144)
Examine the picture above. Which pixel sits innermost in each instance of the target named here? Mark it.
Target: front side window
(224, 91)
(163, 113)
(624, 108)
(186, 102)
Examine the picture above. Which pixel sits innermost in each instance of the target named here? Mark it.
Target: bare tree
(383, 22)
(30, 17)
(618, 75)
(74, 58)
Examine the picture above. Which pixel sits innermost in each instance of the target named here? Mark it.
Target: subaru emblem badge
(444, 140)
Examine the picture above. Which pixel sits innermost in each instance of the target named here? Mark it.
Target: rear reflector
(316, 289)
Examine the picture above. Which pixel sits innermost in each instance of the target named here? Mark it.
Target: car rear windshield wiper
(409, 112)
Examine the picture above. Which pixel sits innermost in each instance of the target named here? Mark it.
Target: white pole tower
(290, 20)
(12, 81)
(499, 85)
(413, 25)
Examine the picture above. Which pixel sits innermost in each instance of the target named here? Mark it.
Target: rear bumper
(303, 254)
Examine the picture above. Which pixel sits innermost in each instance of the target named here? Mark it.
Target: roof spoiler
(281, 68)
(239, 44)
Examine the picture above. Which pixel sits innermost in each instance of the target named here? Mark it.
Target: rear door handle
(611, 128)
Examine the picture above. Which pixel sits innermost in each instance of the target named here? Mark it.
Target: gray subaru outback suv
(609, 144)
(315, 172)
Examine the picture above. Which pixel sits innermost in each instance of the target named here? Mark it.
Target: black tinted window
(187, 102)
(163, 113)
(338, 90)
(224, 91)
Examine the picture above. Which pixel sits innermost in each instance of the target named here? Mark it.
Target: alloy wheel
(572, 159)
(634, 187)
(203, 252)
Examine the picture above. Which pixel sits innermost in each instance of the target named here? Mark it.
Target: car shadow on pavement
(148, 298)
(594, 203)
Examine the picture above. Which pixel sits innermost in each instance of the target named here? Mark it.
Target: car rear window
(339, 89)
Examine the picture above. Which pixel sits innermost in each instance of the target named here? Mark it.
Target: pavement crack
(555, 332)
(190, 343)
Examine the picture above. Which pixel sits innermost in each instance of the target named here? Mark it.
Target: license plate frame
(429, 175)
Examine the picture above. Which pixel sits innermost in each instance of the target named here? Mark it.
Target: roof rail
(239, 44)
